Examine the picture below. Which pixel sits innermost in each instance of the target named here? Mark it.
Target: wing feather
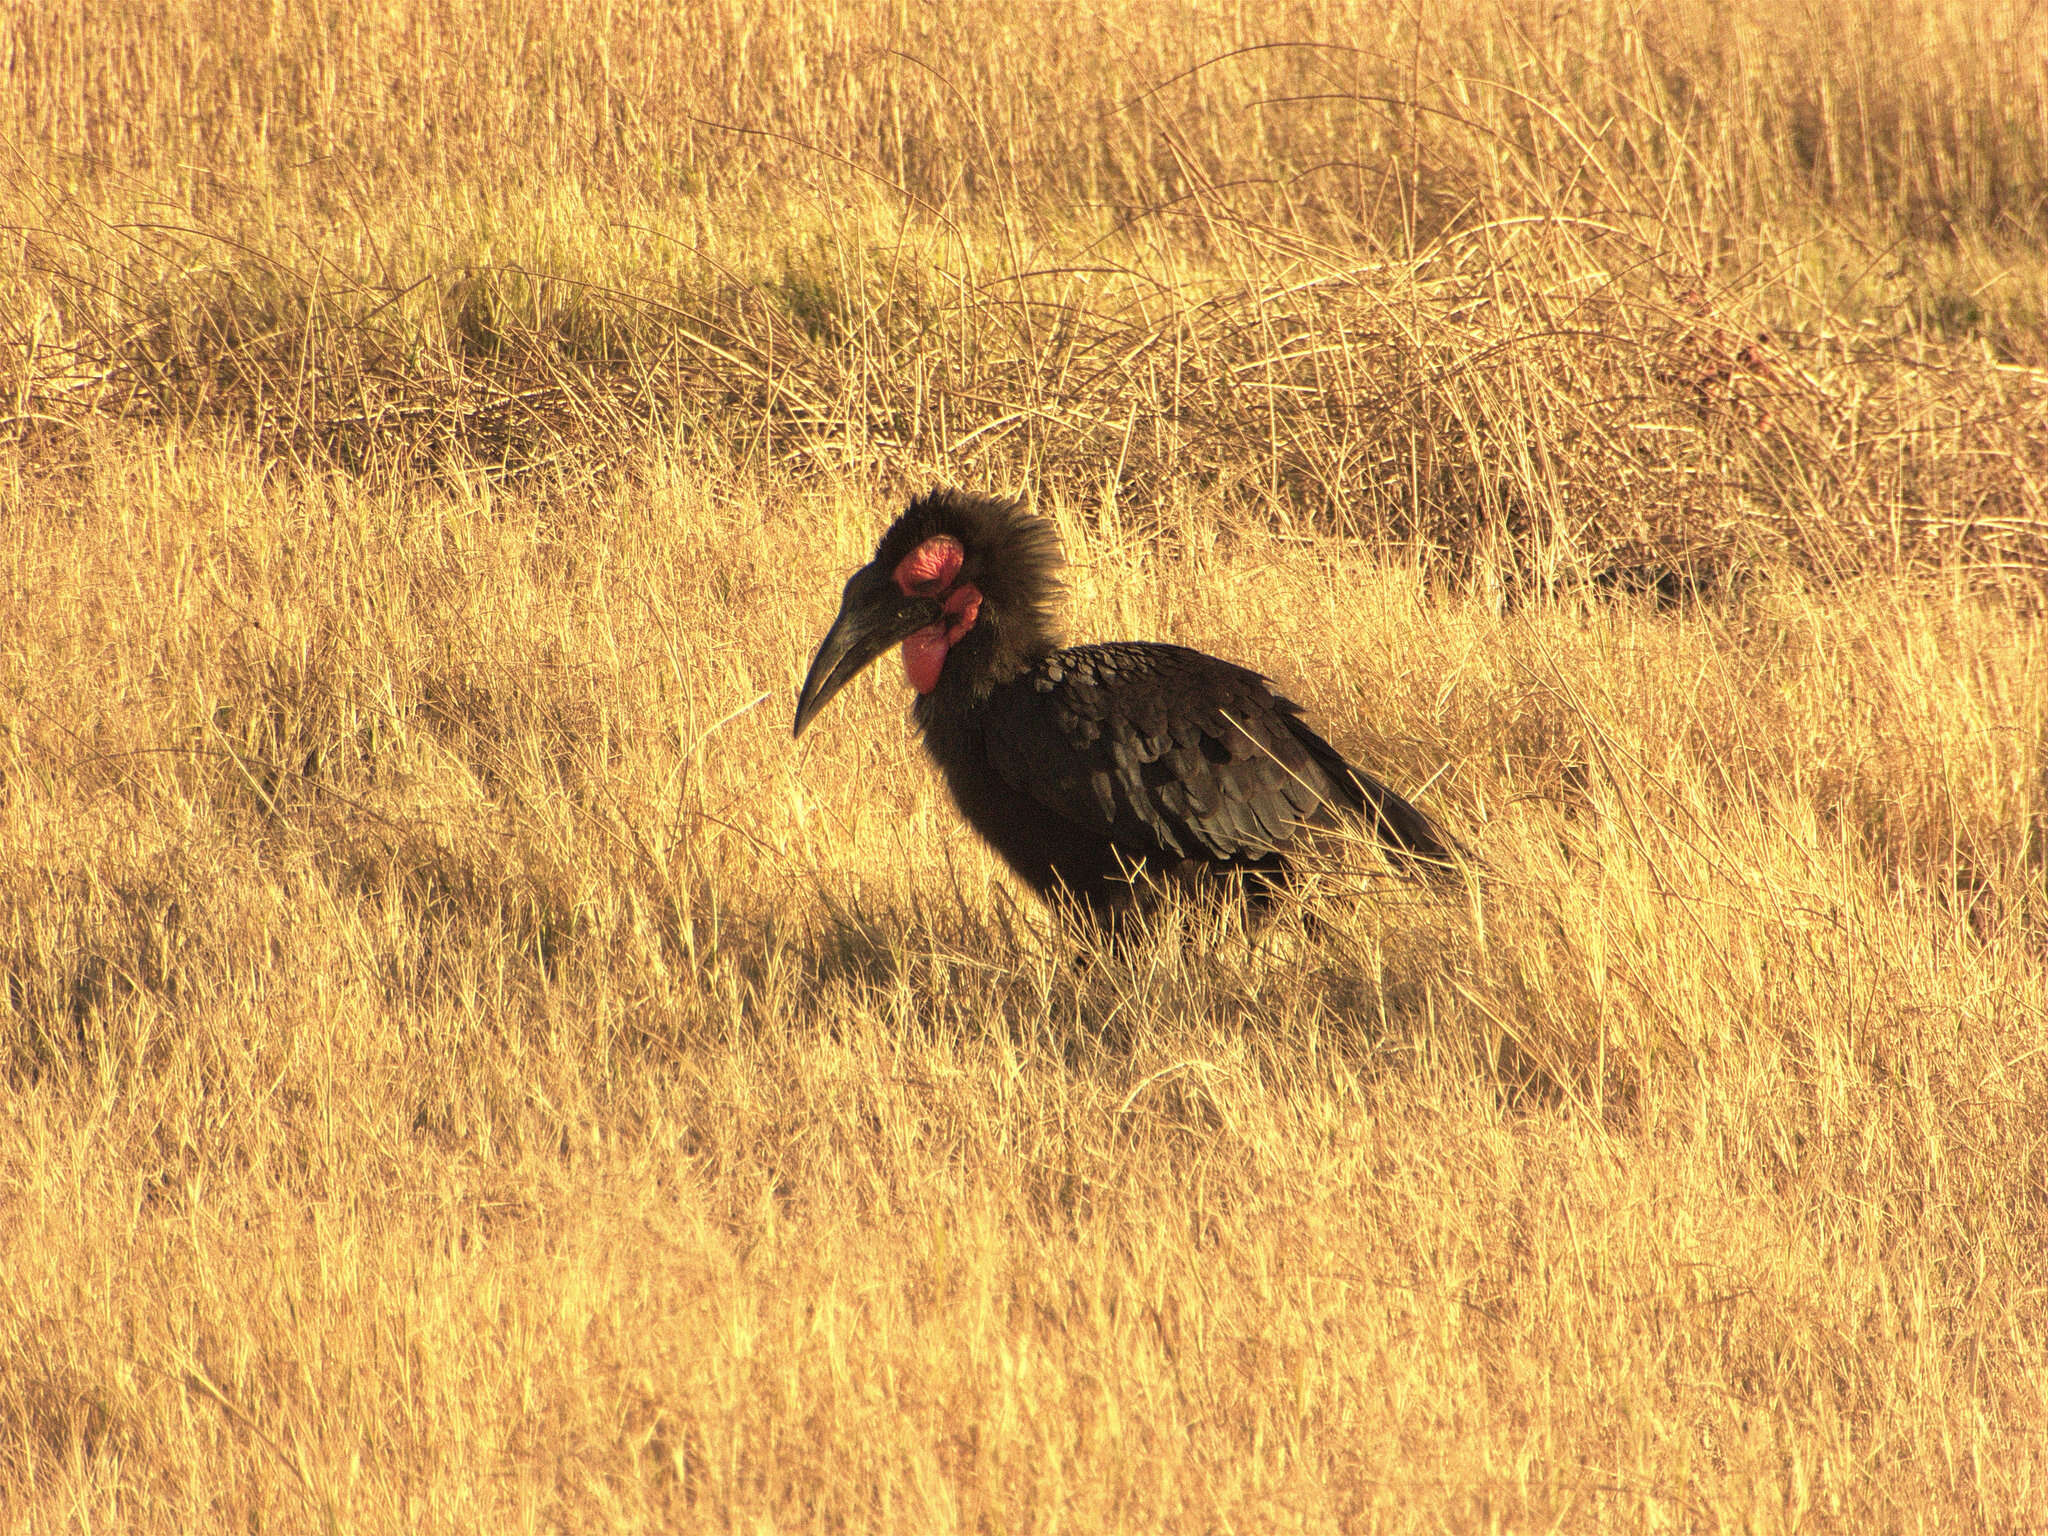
(1167, 752)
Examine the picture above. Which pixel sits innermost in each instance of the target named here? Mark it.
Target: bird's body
(1095, 771)
(1097, 761)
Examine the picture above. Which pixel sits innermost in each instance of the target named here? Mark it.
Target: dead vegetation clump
(1629, 301)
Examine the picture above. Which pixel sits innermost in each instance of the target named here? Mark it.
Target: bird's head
(957, 576)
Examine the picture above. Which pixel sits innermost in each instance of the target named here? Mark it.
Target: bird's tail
(1409, 836)
(1404, 831)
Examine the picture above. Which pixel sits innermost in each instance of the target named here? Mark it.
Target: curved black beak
(873, 616)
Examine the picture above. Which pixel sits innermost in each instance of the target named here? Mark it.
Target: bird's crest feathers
(1011, 554)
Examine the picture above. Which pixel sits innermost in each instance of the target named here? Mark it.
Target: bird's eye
(930, 568)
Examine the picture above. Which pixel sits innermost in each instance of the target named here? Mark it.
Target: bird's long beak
(872, 617)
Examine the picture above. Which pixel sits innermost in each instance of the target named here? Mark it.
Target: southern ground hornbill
(1094, 770)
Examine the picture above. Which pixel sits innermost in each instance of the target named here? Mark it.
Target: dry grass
(462, 1068)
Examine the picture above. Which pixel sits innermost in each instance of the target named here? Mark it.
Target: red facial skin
(930, 571)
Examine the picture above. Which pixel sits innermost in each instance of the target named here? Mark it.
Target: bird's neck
(992, 653)
(952, 718)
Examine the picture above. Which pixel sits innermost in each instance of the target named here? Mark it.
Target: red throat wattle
(929, 571)
(924, 653)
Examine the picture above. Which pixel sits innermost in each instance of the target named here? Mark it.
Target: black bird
(1094, 770)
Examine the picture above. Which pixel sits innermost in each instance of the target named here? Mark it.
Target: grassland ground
(463, 1067)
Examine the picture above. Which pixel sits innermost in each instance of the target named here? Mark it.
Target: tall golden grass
(462, 1068)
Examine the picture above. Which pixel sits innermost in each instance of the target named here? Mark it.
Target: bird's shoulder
(1141, 682)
